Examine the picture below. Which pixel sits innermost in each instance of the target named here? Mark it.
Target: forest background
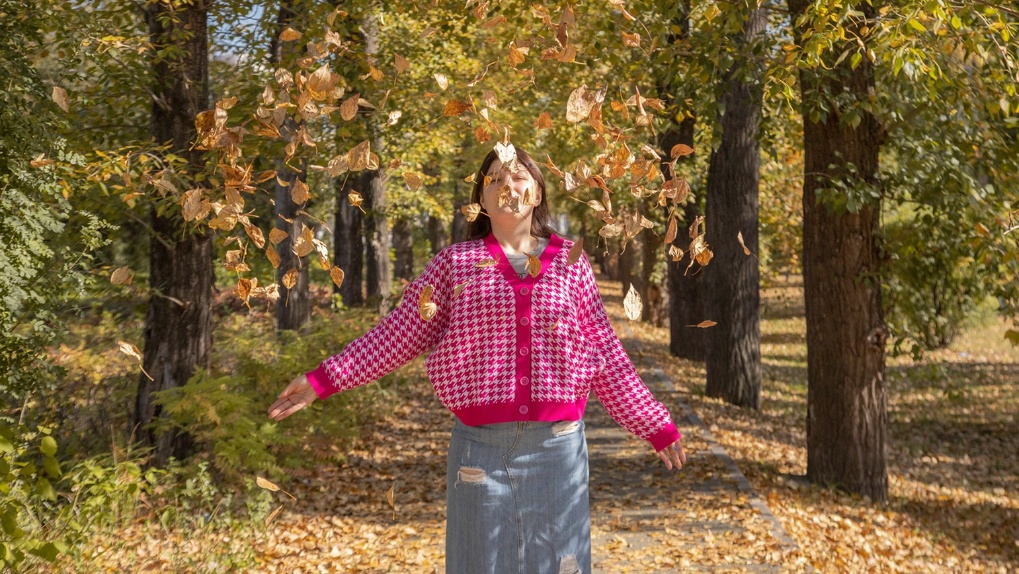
(201, 199)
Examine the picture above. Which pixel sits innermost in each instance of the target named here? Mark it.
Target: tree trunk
(846, 402)
(626, 261)
(436, 234)
(654, 310)
(293, 309)
(684, 290)
(732, 278)
(178, 322)
(376, 235)
(348, 245)
(403, 249)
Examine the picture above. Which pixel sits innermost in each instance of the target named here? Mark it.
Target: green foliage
(224, 410)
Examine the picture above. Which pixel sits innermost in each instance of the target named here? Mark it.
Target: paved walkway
(704, 518)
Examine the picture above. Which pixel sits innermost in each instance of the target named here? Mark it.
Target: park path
(704, 518)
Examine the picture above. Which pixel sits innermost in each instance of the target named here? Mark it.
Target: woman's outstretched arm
(400, 337)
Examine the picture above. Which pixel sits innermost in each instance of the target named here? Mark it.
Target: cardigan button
(524, 351)
(524, 291)
(525, 381)
(523, 409)
(525, 321)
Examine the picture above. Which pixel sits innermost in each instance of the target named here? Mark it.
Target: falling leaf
(611, 230)
(441, 79)
(507, 155)
(412, 180)
(41, 161)
(194, 205)
(375, 73)
(348, 109)
(471, 211)
(533, 265)
(543, 122)
(459, 288)
(581, 102)
(355, 199)
(276, 235)
(575, 252)
(59, 97)
(515, 56)
(632, 304)
(488, 96)
(390, 499)
(454, 108)
(274, 257)
(426, 307)
(632, 40)
(482, 135)
(272, 515)
(336, 274)
(289, 34)
(299, 192)
(553, 326)
(304, 243)
(675, 252)
(394, 116)
(122, 276)
(129, 349)
(704, 324)
(486, 262)
(746, 251)
(670, 233)
(290, 278)
(244, 289)
(359, 157)
(255, 234)
(680, 150)
(401, 64)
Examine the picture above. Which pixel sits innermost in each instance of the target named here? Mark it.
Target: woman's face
(510, 195)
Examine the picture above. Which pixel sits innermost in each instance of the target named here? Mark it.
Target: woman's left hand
(673, 455)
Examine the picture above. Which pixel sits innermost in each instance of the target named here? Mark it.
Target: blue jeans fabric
(517, 499)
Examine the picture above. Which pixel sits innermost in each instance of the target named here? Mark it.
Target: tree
(178, 324)
(846, 397)
(732, 280)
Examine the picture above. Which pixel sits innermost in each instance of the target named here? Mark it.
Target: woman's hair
(541, 219)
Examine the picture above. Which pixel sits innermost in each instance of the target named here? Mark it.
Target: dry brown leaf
(454, 108)
(632, 40)
(426, 308)
(305, 243)
(276, 235)
(129, 349)
(460, 287)
(746, 251)
(543, 122)
(675, 252)
(255, 234)
(611, 230)
(244, 289)
(704, 324)
(482, 135)
(336, 274)
(359, 157)
(471, 211)
(670, 233)
(122, 276)
(582, 101)
(289, 34)
(348, 109)
(575, 252)
(680, 150)
(272, 515)
(441, 79)
(533, 265)
(401, 64)
(59, 97)
(486, 262)
(412, 180)
(632, 304)
(290, 278)
(355, 199)
(274, 257)
(299, 192)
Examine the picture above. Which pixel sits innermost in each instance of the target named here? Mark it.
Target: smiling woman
(517, 346)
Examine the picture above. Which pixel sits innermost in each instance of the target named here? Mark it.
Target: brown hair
(541, 219)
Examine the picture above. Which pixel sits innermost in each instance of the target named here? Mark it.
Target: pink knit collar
(555, 243)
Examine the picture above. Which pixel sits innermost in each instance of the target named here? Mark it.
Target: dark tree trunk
(348, 245)
(403, 249)
(655, 308)
(378, 273)
(846, 402)
(293, 309)
(732, 278)
(685, 290)
(436, 234)
(626, 261)
(178, 323)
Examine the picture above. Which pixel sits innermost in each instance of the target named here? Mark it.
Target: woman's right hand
(298, 394)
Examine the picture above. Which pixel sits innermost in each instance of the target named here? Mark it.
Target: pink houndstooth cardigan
(507, 349)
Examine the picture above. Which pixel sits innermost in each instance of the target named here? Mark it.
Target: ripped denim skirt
(517, 499)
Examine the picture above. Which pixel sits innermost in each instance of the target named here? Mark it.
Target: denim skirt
(517, 500)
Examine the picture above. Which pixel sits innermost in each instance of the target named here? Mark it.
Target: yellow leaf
(274, 258)
(289, 34)
(122, 276)
(459, 288)
(412, 180)
(276, 235)
(632, 304)
(305, 243)
(359, 157)
(401, 64)
(244, 289)
(543, 122)
(533, 265)
(59, 96)
(255, 234)
(375, 73)
(348, 109)
(680, 150)
(454, 108)
(704, 324)
(290, 279)
(486, 262)
(336, 274)
(426, 307)
(299, 192)
(471, 211)
(129, 349)
(631, 39)
(575, 252)
(515, 56)
(355, 199)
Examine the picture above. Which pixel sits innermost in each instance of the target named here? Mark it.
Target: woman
(519, 338)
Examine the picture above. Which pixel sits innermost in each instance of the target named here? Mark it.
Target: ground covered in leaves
(954, 477)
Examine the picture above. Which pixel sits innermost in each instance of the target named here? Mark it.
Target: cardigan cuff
(319, 380)
(663, 438)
